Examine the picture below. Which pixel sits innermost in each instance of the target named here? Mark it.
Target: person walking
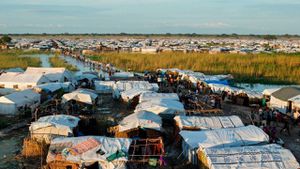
(286, 126)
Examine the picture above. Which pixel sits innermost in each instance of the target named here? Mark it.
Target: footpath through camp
(170, 118)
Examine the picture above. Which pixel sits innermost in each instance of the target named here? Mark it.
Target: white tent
(123, 75)
(141, 119)
(91, 149)
(104, 86)
(51, 74)
(248, 157)
(161, 106)
(45, 128)
(127, 95)
(52, 87)
(81, 95)
(121, 86)
(219, 138)
(204, 123)
(10, 104)
(148, 96)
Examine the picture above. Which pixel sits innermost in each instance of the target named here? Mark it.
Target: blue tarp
(224, 82)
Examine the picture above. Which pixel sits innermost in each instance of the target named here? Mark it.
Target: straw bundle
(32, 148)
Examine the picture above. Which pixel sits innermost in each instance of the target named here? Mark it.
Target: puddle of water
(44, 59)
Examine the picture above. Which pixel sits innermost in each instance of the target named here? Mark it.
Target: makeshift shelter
(248, 157)
(12, 104)
(207, 123)
(148, 96)
(79, 152)
(140, 124)
(219, 138)
(104, 86)
(48, 127)
(162, 107)
(121, 86)
(53, 87)
(130, 94)
(51, 74)
(123, 75)
(280, 98)
(269, 92)
(81, 95)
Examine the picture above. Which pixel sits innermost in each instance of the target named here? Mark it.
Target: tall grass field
(250, 68)
(14, 58)
(56, 61)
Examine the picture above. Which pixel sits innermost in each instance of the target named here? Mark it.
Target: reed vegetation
(16, 58)
(250, 68)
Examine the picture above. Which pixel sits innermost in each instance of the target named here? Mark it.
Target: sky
(150, 16)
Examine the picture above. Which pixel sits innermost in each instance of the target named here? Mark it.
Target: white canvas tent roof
(108, 146)
(248, 157)
(161, 106)
(123, 74)
(121, 86)
(53, 74)
(55, 86)
(141, 119)
(81, 95)
(148, 96)
(16, 77)
(228, 137)
(104, 86)
(204, 123)
(9, 104)
(131, 93)
(62, 125)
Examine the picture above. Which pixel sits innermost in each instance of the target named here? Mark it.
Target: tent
(161, 106)
(295, 102)
(204, 123)
(123, 75)
(148, 96)
(248, 157)
(52, 87)
(128, 95)
(268, 92)
(81, 95)
(121, 86)
(219, 138)
(45, 128)
(280, 98)
(10, 104)
(109, 153)
(104, 86)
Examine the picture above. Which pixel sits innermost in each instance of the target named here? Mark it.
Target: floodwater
(44, 59)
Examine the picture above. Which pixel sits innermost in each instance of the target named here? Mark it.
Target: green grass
(12, 59)
(56, 61)
(251, 68)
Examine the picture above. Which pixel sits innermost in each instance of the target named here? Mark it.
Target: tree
(5, 39)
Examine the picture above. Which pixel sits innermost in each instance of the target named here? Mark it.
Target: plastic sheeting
(264, 156)
(204, 123)
(104, 86)
(9, 104)
(52, 87)
(278, 104)
(107, 147)
(56, 125)
(219, 138)
(121, 86)
(141, 119)
(81, 95)
(295, 101)
(154, 96)
(131, 93)
(268, 92)
(161, 106)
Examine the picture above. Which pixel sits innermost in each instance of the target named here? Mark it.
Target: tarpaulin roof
(161, 106)
(81, 95)
(228, 137)
(92, 149)
(248, 157)
(148, 96)
(141, 119)
(214, 122)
